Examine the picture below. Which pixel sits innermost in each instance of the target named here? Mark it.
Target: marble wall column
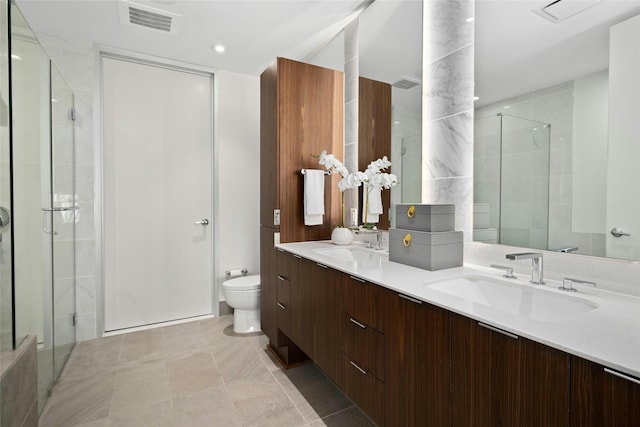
(447, 108)
(351, 79)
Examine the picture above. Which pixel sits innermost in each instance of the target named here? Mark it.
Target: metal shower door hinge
(72, 114)
(73, 319)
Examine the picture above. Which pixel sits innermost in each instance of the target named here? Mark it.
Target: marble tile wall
(75, 61)
(447, 119)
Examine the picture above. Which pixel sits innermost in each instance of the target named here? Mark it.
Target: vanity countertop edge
(608, 335)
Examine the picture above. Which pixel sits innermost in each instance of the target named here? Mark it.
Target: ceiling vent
(559, 10)
(406, 83)
(148, 17)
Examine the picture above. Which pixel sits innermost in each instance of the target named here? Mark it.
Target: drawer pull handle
(417, 301)
(352, 320)
(281, 278)
(411, 212)
(282, 306)
(407, 240)
(357, 279)
(358, 367)
(321, 265)
(297, 256)
(500, 331)
(623, 376)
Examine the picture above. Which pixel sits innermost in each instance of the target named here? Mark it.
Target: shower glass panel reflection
(44, 204)
(524, 183)
(511, 181)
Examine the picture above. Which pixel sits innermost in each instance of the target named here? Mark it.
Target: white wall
(238, 170)
(236, 167)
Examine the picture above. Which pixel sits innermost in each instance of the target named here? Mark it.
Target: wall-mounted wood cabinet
(301, 114)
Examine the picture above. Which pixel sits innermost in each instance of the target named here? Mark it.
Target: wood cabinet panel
(502, 380)
(433, 366)
(400, 381)
(326, 294)
(268, 286)
(363, 344)
(302, 319)
(269, 191)
(364, 389)
(363, 301)
(600, 398)
(374, 131)
(310, 119)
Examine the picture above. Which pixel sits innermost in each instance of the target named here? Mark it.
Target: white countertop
(608, 334)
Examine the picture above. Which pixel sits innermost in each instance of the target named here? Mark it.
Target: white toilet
(243, 295)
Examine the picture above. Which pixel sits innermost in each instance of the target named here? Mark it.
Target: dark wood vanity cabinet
(601, 397)
(500, 379)
(405, 362)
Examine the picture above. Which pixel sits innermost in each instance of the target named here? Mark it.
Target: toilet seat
(244, 283)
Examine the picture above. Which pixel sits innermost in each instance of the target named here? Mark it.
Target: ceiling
(253, 32)
(516, 50)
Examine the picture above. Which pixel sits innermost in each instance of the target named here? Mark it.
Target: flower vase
(341, 236)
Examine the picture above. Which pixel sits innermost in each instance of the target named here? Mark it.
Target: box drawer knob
(407, 240)
(411, 212)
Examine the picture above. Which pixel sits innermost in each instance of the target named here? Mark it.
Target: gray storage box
(425, 217)
(431, 251)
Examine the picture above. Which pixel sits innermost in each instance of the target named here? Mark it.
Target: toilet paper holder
(236, 272)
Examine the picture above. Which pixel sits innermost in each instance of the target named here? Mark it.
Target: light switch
(276, 217)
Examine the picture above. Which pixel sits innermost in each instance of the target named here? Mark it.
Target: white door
(623, 176)
(157, 193)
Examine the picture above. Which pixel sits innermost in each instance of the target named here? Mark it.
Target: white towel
(313, 197)
(375, 205)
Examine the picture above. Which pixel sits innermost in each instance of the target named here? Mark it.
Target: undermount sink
(362, 257)
(521, 300)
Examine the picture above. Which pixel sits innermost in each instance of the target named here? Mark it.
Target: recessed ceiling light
(470, 19)
(475, 98)
(395, 123)
(13, 56)
(507, 106)
(218, 48)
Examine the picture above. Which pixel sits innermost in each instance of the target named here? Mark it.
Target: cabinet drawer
(363, 301)
(283, 263)
(283, 318)
(283, 290)
(364, 389)
(363, 344)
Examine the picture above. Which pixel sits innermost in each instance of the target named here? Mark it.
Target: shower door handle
(204, 222)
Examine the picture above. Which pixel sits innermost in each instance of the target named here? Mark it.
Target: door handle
(617, 232)
(205, 222)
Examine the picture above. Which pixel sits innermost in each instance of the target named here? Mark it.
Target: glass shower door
(63, 217)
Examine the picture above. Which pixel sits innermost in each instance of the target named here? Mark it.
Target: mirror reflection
(554, 127)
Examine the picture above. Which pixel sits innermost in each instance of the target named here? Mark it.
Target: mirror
(390, 36)
(547, 116)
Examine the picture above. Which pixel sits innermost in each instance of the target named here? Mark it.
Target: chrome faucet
(536, 265)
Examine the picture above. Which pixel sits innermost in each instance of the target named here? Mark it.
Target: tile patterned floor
(193, 374)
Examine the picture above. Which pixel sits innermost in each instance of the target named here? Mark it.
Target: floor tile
(208, 407)
(193, 372)
(238, 359)
(79, 401)
(352, 417)
(157, 415)
(262, 402)
(139, 393)
(143, 345)
(92, 358)
(313, 393)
